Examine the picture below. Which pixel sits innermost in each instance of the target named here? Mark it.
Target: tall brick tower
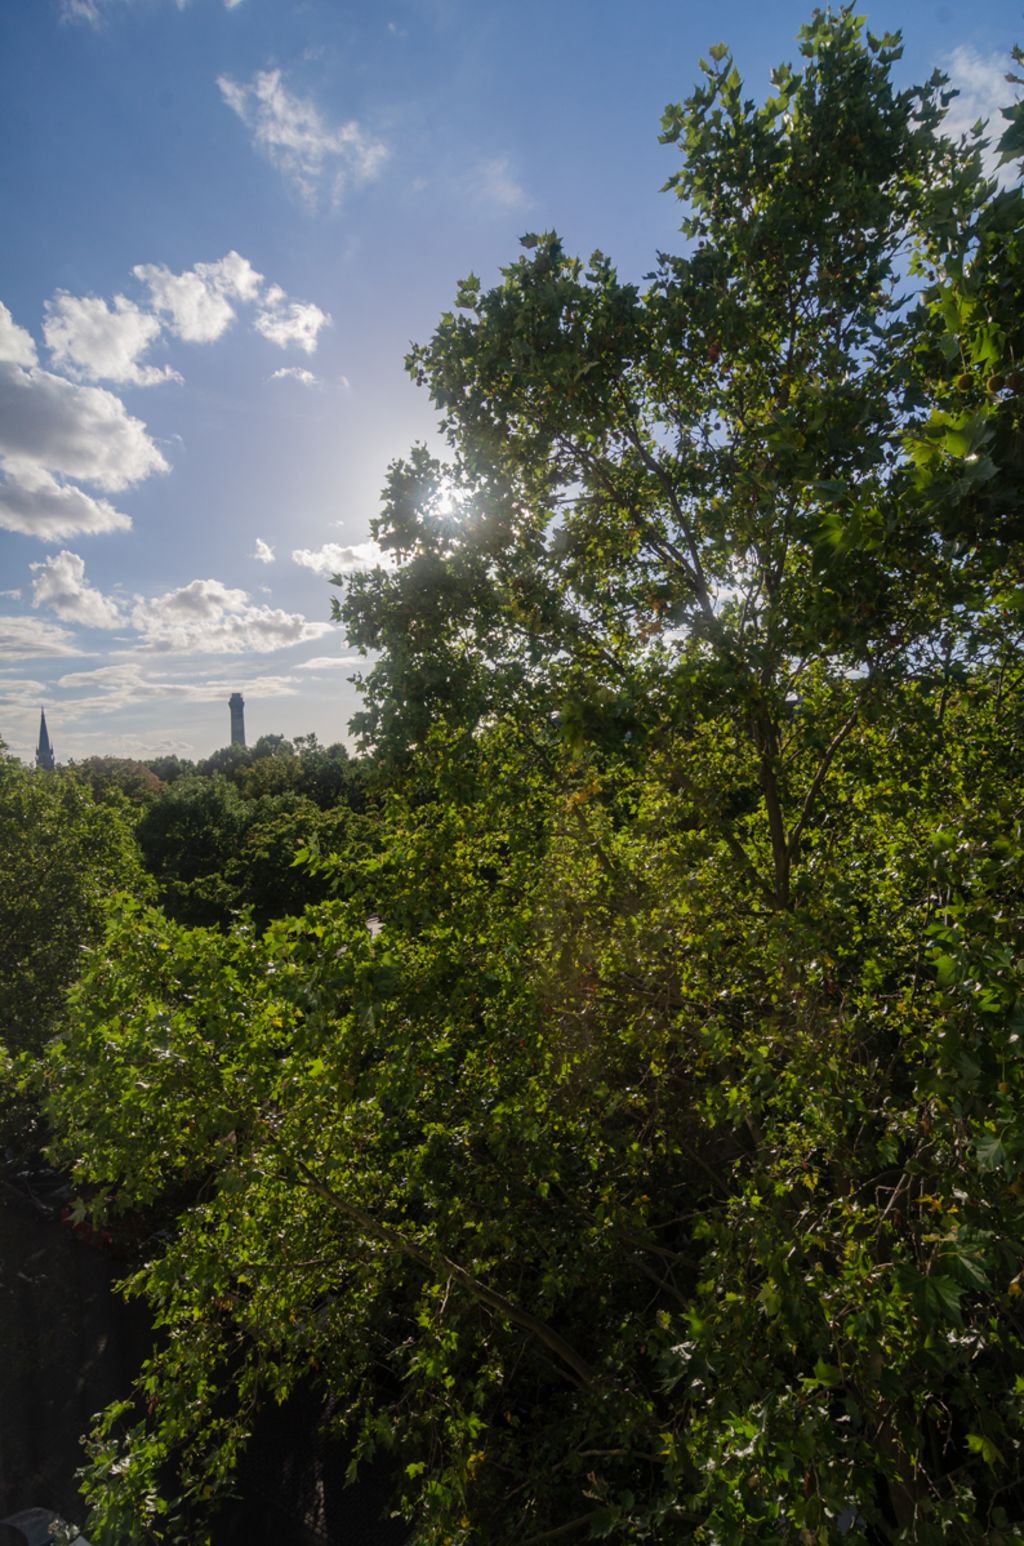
(236, 704)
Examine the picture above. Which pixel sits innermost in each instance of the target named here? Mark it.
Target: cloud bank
(208, 617)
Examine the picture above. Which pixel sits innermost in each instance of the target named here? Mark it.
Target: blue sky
(226, 222)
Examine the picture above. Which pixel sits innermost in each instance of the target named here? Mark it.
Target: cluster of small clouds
(90, 339)
(69, 446)
(59, 431)
(316, 157)
(202, 617)
(331, 558)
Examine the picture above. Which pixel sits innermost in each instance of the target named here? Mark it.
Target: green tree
(655, 1172)
(169, 768)
(267, 874)
(188, 837)
(216, 848)
(63, 856)
(135, 780)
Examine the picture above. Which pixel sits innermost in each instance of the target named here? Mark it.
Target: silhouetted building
(44, 750)
(236, 703)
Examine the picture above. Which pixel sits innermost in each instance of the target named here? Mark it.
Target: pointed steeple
(44, 751)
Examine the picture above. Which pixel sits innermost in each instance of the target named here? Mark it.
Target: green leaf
(980, 1444)
(990, 1151)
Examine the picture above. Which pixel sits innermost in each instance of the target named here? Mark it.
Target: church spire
(44, 751)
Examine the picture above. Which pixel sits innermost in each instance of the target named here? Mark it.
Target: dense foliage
(62, 857)
(655, 1171)
(213, 843)
(220, 836)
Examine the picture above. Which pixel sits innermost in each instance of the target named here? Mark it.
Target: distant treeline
(206, 841)
(221, 834)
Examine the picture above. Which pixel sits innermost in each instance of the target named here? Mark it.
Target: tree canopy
(653, 1172)
(63, 856)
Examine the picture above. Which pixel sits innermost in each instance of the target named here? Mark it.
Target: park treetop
(654, 1171)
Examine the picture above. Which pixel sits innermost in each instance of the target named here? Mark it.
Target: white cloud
(287, 322)
(16, 345)
(29, 638)
(20, 684)
(492, 182)
(53, 430)
(88, 338)
(73, 431)
(137, 679)
(103, 676)
(60, 584)
(34, 503)
(11, 595)
(264, 552)
(291, 131)
(331, 663)
(110, 688)
(208, 617)
(212, 691)
(983, 91)
(94, 11)
(80, 10)
(333, 558)
(198, 303)
(296, 373)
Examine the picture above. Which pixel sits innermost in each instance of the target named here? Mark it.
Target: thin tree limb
(486, 1296)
